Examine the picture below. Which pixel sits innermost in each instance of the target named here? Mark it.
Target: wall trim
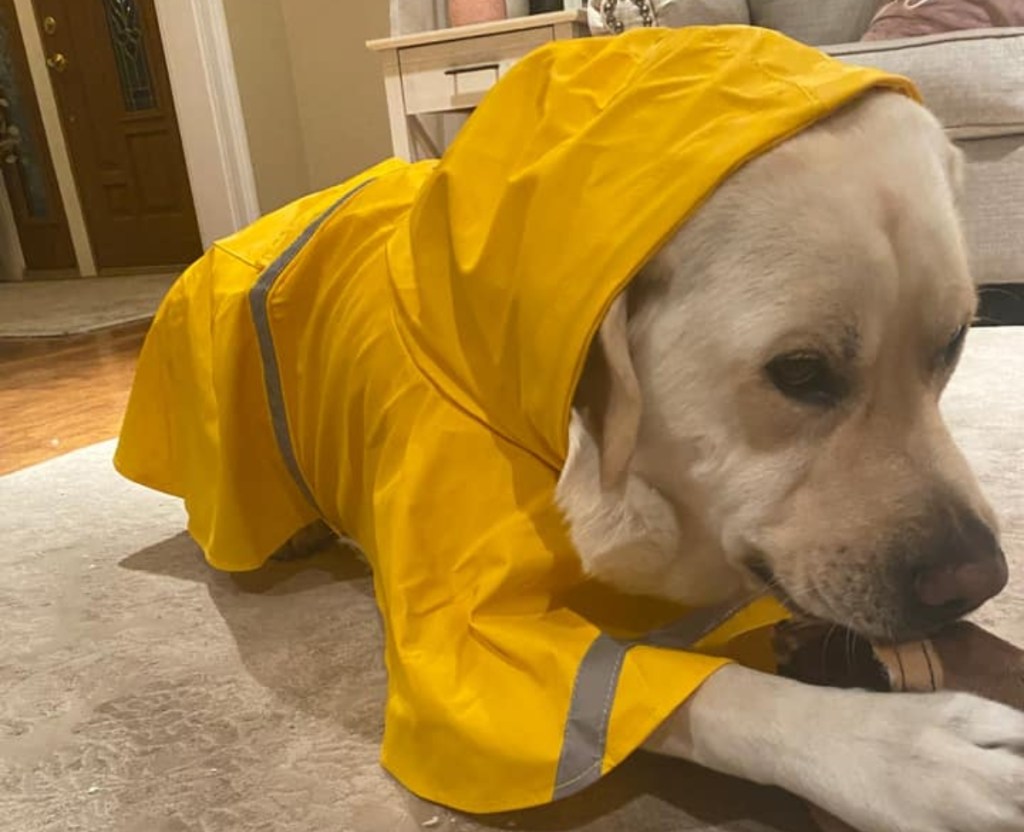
(209, 110)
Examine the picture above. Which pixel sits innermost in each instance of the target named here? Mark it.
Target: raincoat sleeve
(503, 695)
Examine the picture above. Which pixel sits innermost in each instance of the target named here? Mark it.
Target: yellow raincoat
(397, 356)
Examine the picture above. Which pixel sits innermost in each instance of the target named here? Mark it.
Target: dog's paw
(928, 763)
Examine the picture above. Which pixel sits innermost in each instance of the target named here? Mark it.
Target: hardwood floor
(60, 394)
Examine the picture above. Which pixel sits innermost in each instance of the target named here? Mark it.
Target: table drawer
(439, 77)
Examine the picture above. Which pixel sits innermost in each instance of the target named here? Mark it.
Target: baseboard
(1001, 304)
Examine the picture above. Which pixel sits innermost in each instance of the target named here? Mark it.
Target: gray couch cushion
(973, 81)
(993, 208)
(816, 21)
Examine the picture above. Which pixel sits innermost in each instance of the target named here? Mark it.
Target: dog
(409, 358)
(761, 409)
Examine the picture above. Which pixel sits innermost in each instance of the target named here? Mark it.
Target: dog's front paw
(928, 763)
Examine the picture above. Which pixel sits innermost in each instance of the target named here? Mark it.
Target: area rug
(141, 691)
(51, 308)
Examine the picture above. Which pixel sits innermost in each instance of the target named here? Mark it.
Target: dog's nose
(958, 588)
(957, 569)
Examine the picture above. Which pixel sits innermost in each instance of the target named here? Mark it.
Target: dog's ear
(620, 419)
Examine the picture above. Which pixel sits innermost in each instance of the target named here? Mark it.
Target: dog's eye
(951, 351)
(805, 377)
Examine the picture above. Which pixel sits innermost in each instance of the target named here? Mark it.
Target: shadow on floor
(180, 557)
(309, 631)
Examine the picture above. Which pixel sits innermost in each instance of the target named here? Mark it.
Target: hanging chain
(615, 24)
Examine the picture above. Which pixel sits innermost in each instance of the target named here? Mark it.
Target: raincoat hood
(576, 168)
(396, 357)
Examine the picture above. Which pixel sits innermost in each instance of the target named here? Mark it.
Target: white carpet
(142, 691)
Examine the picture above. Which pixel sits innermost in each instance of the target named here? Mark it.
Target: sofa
(972, 80)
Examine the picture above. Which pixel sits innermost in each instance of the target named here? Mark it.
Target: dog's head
(763, 403)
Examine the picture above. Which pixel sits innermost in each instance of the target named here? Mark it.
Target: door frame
(199, 61)
(206, 99)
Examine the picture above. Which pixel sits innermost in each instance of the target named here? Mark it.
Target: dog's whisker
(850, 645)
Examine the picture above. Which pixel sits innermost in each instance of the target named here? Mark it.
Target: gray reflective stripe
(593, 693)
(271, 371)
(586, 728)
(687, 631)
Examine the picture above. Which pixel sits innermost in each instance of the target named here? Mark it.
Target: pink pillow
(913, 18)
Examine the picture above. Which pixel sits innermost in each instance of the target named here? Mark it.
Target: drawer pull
(474, 68)
(454, 76)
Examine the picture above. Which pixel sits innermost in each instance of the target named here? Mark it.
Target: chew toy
(961, 657)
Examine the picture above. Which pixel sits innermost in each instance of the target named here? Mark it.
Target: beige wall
(263, 67)
(312, 94)
(339, 84)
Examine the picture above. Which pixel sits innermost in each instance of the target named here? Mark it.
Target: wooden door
(25, 163)
(107, 65)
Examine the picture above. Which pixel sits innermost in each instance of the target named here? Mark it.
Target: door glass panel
(17, 139)
(130, 54)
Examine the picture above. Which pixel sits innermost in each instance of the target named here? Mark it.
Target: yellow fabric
(429, 337)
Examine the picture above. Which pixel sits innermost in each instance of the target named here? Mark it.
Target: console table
(449, 70)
